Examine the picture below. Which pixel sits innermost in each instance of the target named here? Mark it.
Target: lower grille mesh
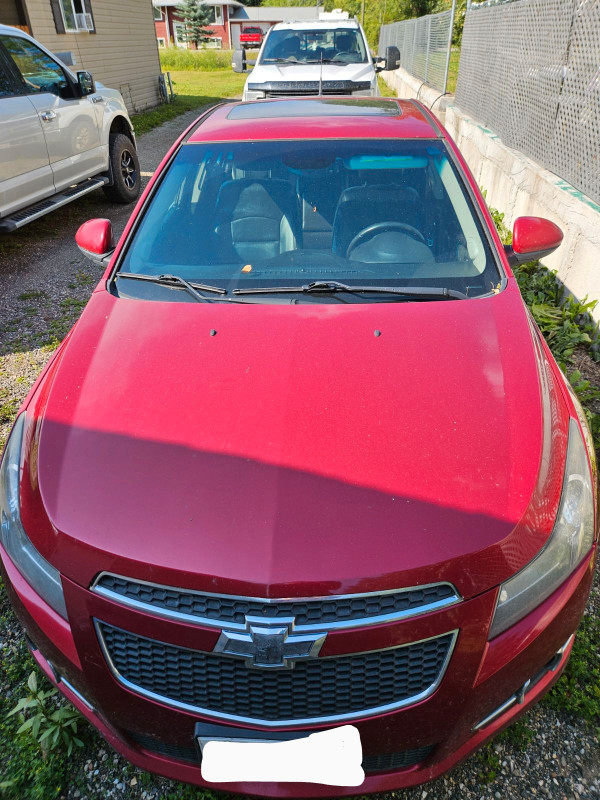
(315, 688)
(384, 762)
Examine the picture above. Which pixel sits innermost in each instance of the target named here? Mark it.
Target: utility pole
(362, 13)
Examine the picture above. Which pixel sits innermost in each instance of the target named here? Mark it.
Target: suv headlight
(569, 542)
(40, 575)
(253, 95)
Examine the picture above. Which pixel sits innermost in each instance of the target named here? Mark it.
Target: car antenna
(321, 75)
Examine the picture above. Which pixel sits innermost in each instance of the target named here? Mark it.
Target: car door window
(40, 73)
(7, 87)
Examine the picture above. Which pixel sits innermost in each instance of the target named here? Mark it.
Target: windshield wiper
(329, 287)
(175, 280)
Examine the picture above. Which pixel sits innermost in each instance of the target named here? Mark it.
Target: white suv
(61, 135)
(327, 57)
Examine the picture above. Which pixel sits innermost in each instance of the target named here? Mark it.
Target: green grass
(178, 58)
(193, 89)
(453, 69)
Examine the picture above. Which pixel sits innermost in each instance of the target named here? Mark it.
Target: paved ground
(44, 283)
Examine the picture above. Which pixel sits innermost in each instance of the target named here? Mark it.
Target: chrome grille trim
(216, 622)
(279, 723)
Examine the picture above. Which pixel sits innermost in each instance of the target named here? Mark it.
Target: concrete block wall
(518, 186)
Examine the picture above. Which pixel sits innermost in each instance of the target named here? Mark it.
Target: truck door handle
(48, 116)
(97, 98)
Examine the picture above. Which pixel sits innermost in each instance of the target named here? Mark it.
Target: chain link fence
(424, 45)
(530, 71)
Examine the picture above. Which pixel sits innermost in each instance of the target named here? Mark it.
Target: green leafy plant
(50, 725)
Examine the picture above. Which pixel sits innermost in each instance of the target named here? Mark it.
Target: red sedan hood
(289, 450)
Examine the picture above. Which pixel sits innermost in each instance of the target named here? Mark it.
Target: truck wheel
(125, 169)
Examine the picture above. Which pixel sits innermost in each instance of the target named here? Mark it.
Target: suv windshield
(288, 213)
(311, 46)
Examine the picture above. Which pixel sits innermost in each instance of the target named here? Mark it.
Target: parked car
(62, 134)
(329, 57)
(251, 36)
(305, 463)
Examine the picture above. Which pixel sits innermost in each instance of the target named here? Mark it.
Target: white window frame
(75, 14)
(160, 13)
(218, 15)
(217, 46)
(179, 26)
(161, 41)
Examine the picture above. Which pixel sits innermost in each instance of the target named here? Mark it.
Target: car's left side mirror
(85, 83)
(95, 240)
(533, 238)
(391, 60)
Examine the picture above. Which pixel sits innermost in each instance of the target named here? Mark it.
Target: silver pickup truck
(61, 134)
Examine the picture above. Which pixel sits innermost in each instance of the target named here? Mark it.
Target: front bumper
(483, 690)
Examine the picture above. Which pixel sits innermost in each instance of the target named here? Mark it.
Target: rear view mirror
(238, 61)
(533, 238)
(95, 240)
(86, 83)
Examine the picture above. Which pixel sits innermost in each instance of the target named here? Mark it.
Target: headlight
(364, 93)
(570, 541)
(40, 575)
(251, 95)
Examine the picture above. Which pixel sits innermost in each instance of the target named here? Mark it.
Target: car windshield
(310, 46)
(371, 212)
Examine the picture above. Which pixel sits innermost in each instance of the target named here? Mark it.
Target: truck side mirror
(86, 83)
(390, 61)
(392, 57)
(238, 61)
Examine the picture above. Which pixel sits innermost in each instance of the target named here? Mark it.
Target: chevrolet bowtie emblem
(269, 642)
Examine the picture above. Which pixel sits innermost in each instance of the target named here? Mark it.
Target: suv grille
(319, 613)
(329, 688)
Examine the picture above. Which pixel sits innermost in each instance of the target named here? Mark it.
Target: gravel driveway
(44, 283)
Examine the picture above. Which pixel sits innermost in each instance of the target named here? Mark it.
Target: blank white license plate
(331, 757)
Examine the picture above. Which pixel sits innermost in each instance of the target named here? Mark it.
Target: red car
(305, 460)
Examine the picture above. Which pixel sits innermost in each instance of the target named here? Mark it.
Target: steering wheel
(379, 227)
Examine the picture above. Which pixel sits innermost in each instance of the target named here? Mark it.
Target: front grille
(385, 762)
(308, 93)
(316, 689)
(318, 613)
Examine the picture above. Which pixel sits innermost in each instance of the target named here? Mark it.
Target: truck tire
(125, 170)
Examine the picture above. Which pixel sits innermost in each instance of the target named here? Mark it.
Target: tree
(195, 17)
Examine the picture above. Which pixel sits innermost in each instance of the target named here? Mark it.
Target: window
(77, 15)
(215, 16)
(161, 41)
(310, 46)
(6, 84)
(157, 13)
(179, 29)
(40, 73)
(253, 214)
(215, 43)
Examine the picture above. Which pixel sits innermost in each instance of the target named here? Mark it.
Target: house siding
(122, 54)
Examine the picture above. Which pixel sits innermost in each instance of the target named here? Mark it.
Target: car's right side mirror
(95, 240)
(238, 61)
(533, 238)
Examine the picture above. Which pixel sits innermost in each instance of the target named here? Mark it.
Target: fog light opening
(518, 698)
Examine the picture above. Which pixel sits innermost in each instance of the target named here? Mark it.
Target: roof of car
(316, 118)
